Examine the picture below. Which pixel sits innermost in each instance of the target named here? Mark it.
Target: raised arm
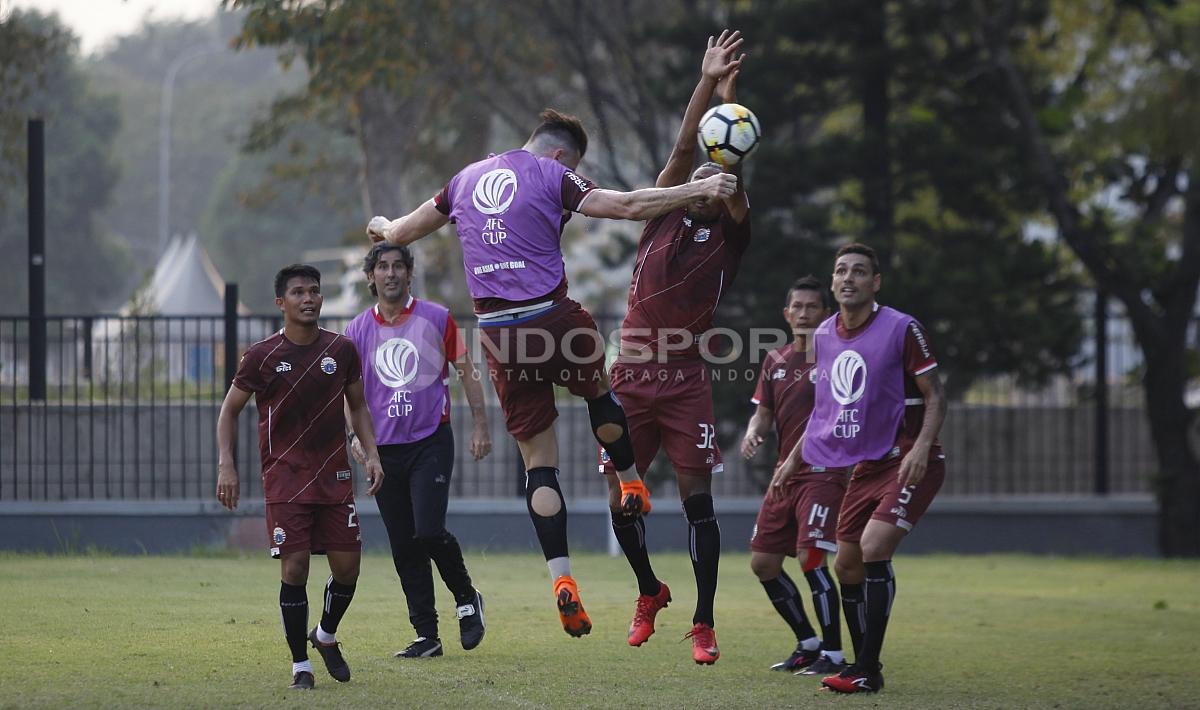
(228, 486)
(650, 202)
(718, 63)
(418, 224)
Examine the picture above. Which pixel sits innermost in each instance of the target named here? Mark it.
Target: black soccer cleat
(302, 681)
(856, 679)
(470, 622)
(421, 648)
(823, 666)
(332, 655)
(799, 659)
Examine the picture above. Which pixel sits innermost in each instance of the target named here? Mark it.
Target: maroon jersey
(918, 359)
(785, 388)
(298, 390)
(682, 269)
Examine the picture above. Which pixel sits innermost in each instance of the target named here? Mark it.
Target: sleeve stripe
(931, 366)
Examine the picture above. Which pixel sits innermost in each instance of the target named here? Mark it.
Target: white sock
(835, 656)
(559, 567)
(302, 666)
(809, 644)
(323, 636)
(628, 475)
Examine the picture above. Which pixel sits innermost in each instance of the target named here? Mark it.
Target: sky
(98, 21)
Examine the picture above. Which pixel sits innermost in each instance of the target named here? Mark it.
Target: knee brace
(611, 429)
(543, 497)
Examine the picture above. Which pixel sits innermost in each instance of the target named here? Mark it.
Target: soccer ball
(728, 133)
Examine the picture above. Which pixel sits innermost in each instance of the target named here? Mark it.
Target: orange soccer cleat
(704, 644)
(635, 497)
(574, 619)
(648, 606)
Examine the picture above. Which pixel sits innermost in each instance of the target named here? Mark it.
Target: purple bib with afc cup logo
(859, 400)
(404, 371)
(509, 213)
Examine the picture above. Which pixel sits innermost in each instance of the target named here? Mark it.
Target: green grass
(985, 632)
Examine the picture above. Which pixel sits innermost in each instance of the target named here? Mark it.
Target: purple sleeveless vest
(860, 392)
(404, 371)
(508, 210)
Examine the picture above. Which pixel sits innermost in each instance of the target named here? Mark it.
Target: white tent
(184, 283)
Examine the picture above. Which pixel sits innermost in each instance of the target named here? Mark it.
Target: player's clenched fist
(720, 185)
(377, 227)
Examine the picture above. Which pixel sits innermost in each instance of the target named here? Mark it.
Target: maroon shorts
(313, 527)
(526, 358)
(668, 405)
(875, 494)
(805, 516)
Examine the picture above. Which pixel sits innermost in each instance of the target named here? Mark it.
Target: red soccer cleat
(855, 679)
(574, 619)
(635, 497)
(648, 606)
(704, 644)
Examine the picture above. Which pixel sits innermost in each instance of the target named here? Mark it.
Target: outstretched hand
(719, 186)
(377, 228)
(719, 58)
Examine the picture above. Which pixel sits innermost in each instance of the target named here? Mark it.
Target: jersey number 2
(351, 522)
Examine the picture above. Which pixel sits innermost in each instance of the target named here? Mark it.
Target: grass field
(986, 632)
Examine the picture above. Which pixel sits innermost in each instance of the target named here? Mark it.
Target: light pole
(164, 135)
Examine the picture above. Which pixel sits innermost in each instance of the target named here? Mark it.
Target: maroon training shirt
(299, 390)
(784, 387)
(682, 269)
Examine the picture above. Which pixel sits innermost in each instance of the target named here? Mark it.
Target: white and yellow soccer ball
(728, 133)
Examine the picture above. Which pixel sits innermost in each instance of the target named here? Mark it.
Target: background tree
(1105, 97)
(81, 258)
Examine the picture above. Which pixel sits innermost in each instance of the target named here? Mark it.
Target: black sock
(293, 607)
(880, 591)
(852, 607)
(825, 604)
(783, 594)
(446, 553)
(337, 601)
(631, 534)
(551, 530)
(705, 545)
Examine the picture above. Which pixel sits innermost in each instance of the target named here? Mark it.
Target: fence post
(37, 258)
(1101, 423)
(231, 333)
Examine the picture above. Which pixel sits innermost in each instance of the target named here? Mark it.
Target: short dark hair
(564, 128)
(811, 283)
(292, 271)
(862, 249)
(377, 251)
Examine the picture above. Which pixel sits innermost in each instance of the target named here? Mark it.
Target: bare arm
(228, 486)
(364, 430)
(912, 468)
(756, 431)
(418, 224)
(718, 62)
(481, 438)
(651, 202)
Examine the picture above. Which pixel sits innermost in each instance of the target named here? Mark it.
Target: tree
(83, 263)
(1105, 98)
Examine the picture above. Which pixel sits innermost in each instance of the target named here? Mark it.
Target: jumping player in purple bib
(509, 211)
(878, 409)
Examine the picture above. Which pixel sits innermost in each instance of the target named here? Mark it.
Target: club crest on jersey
(278, 536)
(701, 235)
(283, 367)
(328, 365)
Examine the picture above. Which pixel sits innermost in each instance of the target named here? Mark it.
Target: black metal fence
(130, 407)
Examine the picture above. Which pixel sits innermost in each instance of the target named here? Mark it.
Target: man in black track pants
(407, 346)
